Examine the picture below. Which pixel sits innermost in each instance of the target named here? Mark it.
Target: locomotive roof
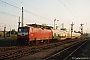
(39, 26)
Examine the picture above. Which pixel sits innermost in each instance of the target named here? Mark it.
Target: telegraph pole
(22, 16)
(71, 29)
(81, 28)
(19, 22)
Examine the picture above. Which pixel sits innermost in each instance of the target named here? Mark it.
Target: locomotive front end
(23, 35)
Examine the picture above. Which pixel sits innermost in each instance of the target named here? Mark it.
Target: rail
(66, 52)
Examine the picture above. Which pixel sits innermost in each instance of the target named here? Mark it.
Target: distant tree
(13, 31)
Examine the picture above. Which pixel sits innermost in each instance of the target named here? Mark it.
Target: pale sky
(44, 12)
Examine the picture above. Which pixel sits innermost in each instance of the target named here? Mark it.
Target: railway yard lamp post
(55, 23)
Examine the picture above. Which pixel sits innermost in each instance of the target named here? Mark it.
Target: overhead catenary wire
(25, 10)
(32, 7)
(71, 6)
(37, 15)
(67, 8)
(16, 16)
(10, 4)
(36, 10)
(8, 14)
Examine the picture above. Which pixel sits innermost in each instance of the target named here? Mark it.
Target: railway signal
(55, 24)
(71, 29)
(81, 28)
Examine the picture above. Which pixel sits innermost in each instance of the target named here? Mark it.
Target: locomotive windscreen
(22, 29)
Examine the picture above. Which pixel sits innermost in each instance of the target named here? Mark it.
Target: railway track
(3, 49)
(11, 47)
(17, 52)
(7, 44)
(65, 53)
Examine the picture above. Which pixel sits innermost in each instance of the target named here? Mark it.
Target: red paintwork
(37, 33)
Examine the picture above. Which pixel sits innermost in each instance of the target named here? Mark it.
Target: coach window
(58, 35)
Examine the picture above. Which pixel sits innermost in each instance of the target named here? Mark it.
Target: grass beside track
(7, 40)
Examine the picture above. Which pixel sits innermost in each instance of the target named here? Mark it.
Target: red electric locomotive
(29, 34)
